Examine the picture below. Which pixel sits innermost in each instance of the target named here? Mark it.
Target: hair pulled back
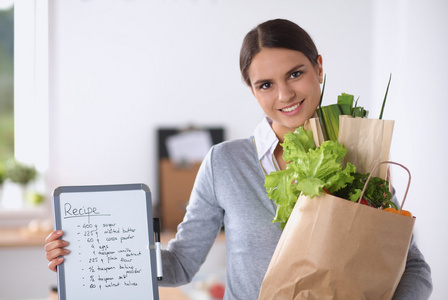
(278, 33)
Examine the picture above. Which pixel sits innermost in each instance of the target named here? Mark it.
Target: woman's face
(287, 87)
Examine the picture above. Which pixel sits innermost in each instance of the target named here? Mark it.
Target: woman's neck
(278, 153)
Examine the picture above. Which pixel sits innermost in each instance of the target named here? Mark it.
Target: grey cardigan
(229, 191)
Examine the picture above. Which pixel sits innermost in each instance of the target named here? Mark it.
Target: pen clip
(156, 224)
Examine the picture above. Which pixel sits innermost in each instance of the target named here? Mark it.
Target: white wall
(412, 42)
(120, 69)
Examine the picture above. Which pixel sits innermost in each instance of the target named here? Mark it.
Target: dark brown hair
(278, 33)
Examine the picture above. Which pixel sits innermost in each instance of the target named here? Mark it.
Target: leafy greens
(310, 170)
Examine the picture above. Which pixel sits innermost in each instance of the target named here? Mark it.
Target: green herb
(377, 193)
(19, 172)
(2, 173)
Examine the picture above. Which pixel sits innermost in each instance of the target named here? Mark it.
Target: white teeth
(291, 108)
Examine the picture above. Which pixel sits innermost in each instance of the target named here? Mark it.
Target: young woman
(281, 65)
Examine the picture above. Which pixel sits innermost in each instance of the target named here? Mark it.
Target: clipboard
(111, 236)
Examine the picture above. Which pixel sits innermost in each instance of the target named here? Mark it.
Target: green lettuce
(310, 171)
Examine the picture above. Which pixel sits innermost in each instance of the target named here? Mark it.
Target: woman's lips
(291, 108)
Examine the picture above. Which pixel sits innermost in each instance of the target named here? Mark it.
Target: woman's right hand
(54, 248)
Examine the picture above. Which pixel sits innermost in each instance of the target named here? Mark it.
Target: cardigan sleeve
(416, 282)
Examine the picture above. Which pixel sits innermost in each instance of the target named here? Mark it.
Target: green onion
(385, 96)
(319, 112)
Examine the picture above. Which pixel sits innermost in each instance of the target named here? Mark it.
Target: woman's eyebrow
(295, 68)
(261, 81)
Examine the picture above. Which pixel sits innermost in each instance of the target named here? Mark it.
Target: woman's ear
(320, 70)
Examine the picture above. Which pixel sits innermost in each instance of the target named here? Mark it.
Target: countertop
(24, 237)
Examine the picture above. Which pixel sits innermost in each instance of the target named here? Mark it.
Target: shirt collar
(265, 139)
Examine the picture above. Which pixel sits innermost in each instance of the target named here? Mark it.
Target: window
(31, 82)
(6, 81)
(30, 98)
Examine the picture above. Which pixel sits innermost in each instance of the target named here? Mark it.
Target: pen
(158, 248)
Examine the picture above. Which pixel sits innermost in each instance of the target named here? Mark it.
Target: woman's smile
(293, 109)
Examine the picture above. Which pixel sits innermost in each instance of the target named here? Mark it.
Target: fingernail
(60, 258)
(66, 251)
(65, 243)
(58, 232)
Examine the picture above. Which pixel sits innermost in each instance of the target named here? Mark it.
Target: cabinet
(176, 181)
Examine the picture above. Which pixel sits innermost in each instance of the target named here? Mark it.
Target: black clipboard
(111, 236)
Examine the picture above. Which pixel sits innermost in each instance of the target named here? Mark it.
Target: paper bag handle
(370, 175)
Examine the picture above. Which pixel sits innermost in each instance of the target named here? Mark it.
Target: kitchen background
(118, 70)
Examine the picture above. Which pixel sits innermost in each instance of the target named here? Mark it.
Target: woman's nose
(285, 92)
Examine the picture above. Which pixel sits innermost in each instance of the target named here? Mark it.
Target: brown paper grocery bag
(332, 248)
(367, 142)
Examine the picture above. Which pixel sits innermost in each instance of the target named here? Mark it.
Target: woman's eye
(296, 74)
(265, 86)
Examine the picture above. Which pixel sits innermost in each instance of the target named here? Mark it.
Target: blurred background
(90, 90)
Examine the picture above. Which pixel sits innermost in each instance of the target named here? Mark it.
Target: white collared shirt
(266, 141)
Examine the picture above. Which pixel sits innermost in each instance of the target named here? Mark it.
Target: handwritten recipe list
(109, 244)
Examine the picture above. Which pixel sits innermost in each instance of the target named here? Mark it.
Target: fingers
(54, 263)
(55, 244)
(55, 252)
(54, 249)
(53, 236)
